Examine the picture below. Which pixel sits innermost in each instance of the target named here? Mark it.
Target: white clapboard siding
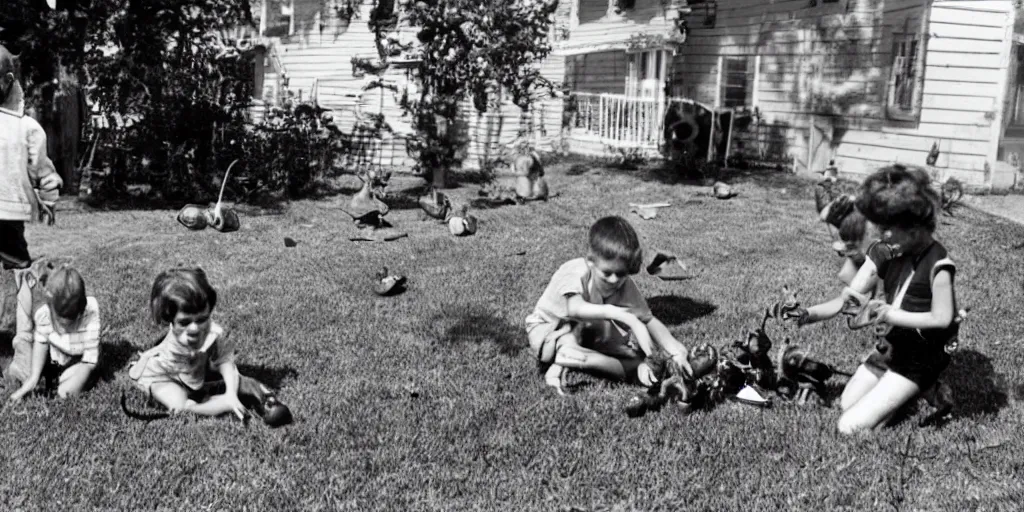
(326, 58)
(963, 76)
(596, 28)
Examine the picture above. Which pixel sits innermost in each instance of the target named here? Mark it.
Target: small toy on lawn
(800, 375)
(723, 191)
(647, 211)
(388, 284)
(462, 223)
(436, 204)
(668, 267)
(688, 390)
(193, 217)
(367, 207)
(219, 217)
(290, 242)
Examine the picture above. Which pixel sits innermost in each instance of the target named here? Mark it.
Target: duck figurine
(367, 207)
(436, 205)
(462, 223)
(388, 284)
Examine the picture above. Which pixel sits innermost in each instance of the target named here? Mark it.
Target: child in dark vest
(919, 304)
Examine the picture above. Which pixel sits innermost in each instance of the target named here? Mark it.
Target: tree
(476, 48)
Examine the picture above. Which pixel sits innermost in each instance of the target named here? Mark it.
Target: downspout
(999, 104)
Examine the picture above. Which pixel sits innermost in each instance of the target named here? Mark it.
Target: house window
(737, 82)
(646, 72)
(901, 91)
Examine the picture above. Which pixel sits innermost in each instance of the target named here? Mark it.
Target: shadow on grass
(271, 376)
(977, 389)
(675, 310)
(115, 356)
(479, 325)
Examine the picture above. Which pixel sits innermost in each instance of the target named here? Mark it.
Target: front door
(645, 73)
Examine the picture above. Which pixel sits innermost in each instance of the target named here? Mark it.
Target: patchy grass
(428, 400)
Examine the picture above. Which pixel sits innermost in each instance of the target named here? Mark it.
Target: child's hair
(899, 196)
(66, 290)
(181, 289)
(613, 238)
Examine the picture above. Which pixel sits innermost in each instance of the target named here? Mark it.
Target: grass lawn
(431, 400)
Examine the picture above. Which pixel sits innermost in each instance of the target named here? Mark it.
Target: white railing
(619, 119)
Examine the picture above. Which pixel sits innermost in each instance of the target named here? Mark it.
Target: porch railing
(619, 119)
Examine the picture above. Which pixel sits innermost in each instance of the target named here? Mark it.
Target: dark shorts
(910, 356)
(13, 247)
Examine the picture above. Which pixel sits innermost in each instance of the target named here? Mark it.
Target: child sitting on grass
(193, 368)
(66, 334)
(919, 305)
(586, 314)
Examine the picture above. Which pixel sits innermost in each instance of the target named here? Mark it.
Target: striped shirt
(82, 337)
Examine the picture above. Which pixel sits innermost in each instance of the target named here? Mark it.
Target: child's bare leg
(74, 379)
(865, 378)
(571, 355)
(170, 395)
(879, 404)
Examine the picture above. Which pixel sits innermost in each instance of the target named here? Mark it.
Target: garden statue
(367, 207)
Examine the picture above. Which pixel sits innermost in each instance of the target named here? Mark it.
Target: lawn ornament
(647, 211)
(529, 172)
(933, 155)
(367, 207)
(951, 192)
(388, 284)
(687, 390)
(462, 223)
(219, 217)
(668, 267)
(436, 204)
(193, 217)
(723, 191)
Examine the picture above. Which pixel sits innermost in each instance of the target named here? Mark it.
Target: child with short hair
(919, 307)
(29, 183)
(590, 308)
(67, 336)
(183, 371)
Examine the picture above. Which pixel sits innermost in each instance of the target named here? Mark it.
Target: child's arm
(42, 173)
(939, 317)
(664, 338)
(40, 352)
(91, 338)
(221, 404)
(861, 284)
(581, 309)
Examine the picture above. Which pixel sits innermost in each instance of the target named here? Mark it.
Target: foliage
(475, 47)
(182, 69)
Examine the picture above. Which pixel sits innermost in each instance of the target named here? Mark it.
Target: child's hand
(878, 310)
(236, 406)
(683, 360)
(18, 395)
(853, 296)
(645, 375)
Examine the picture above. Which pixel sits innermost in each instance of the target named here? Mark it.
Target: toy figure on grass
(193, 368)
